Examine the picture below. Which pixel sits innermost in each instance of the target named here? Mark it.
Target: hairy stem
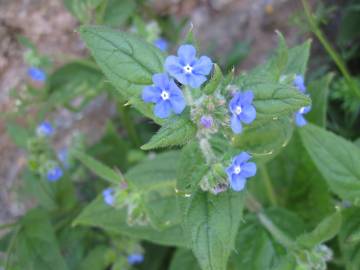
(331, 51)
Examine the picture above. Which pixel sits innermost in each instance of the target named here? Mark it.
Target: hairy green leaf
(214, 82)
(172, 133)
(97, 167)
(36, 247)
(100, 215)
(192, 167)
(337, 159)
(128, 61)
(324, 231)
(184, 259)
(211, 222)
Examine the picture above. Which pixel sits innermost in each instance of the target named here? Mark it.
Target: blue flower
(299, 83)
(135, 258)
(108, 195)
(188, 69)
(45, 129)
(299, 116)
(242, 110)
(165, 94)
(162, 44)
(36, 74)
(54, 174)
(206, 121)
(240, 170)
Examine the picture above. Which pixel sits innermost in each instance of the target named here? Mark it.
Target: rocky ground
(217, 23)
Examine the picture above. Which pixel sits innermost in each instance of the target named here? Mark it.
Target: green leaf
(184, 259)
(36, 247)
(191, 168)
(96, 259)
(214, 82)
(337, 159)
(319, 90)
(298, 58)
(265, 139)
(75, 79)
(98, 214)
(211, 222)
(280, 59)
(118, 12)
(298, 184)
(326, 230)
(128, 61)
(350, 249)
(155, 173)
(97, 167)
(172, 133)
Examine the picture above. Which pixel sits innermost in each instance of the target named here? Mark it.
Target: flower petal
(248, 114)
(151, 94)
(195, 81)
(177, 99)
(172, 66)
(203, 66)
(235, 124)
(161, 80)
(237, 182)
(234, 102)
(241, 158)
(248, 169)
(247, 97)
(162, 109)
(300, 120)
(186, 54)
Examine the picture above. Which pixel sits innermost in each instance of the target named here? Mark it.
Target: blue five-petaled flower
(241, 110)
(239, 170)
(187, 68)
(135, 258)
(36, 74)
(165, 94)
(54, 174)
(108, 195)
(45, 129)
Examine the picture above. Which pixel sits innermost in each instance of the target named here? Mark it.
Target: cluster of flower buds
(42, 158)
(124, 197)
(314, 259)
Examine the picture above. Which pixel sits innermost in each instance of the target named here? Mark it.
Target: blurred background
(236, 33)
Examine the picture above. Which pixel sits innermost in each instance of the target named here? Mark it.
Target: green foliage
(172, 133)
(211, 222)
(35, 244)
(127, 61)
(336, 158)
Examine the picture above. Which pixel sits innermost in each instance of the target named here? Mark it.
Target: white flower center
(237, 169)
(188, 69)
(302, 110)
(165, 95)
(238, 110)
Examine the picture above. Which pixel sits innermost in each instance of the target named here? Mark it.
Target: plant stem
(254, 206)
(128, 124)
(331, 51)
(268, 185)
(188, 96)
